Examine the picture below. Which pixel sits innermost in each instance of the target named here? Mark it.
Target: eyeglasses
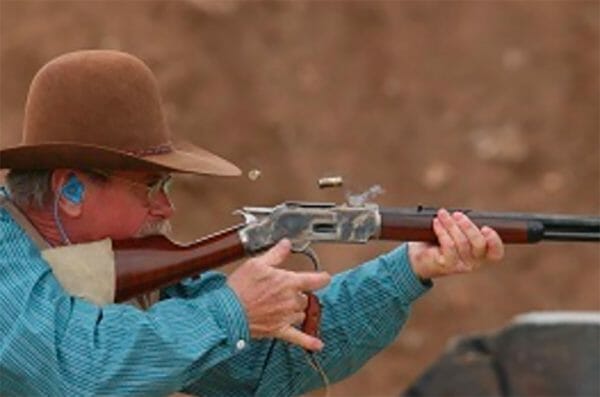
(153, 188)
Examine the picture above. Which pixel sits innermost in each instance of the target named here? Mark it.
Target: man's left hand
(462, 247)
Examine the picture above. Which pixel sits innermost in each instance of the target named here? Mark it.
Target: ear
(69, 188)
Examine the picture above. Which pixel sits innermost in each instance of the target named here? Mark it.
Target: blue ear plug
(73, 190)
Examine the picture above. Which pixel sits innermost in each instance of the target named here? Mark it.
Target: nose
(162, 206)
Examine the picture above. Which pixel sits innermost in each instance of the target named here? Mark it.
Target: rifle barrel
(556, 227)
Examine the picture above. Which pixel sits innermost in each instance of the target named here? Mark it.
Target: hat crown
(98, 97)
(102, 109)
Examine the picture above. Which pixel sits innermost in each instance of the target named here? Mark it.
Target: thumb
(277, 253)
(312, 281)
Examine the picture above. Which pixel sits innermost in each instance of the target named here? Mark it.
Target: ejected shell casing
(331, 181)
(254, 174)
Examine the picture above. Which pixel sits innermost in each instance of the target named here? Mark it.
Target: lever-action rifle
(143, 265)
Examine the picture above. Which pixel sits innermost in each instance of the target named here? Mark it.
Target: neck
(43, 220)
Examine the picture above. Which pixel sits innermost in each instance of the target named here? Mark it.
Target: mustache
(155, 228)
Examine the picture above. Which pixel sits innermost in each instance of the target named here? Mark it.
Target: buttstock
(146, 264)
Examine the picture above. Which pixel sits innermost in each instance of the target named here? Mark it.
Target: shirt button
(240, 344)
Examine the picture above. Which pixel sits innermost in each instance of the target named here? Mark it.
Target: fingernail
(285, 242)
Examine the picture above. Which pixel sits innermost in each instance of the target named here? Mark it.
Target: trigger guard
(312, 255)
(300, 246)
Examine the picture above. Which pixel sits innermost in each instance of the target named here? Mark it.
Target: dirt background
(488, 105)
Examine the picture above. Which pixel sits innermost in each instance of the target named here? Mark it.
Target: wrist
(397, 268)
(415, 250)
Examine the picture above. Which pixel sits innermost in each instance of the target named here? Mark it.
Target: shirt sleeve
(363, 310)
(52, 344)
(187, 288)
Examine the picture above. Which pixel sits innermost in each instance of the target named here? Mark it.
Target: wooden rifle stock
(145, 264)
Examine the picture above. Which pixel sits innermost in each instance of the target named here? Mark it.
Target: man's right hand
(274, 298)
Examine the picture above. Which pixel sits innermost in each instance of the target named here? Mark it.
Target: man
(94, 163)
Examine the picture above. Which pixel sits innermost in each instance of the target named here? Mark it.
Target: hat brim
(184, 158)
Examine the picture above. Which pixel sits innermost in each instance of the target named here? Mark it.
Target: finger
(276, 254)
(311, 281)
(474, 235)
(301, 301)
(461, 242)
(298, 318)
(447, 245)
(297, 337)
(495, 247)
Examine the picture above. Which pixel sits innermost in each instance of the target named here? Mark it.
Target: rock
(539, 354)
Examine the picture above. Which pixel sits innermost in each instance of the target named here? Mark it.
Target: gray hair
(30, 187)
(34, 188)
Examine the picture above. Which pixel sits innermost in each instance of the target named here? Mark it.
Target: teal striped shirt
(196, 339)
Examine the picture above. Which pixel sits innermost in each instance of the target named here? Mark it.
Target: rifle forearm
(400, 227)
(409, 224)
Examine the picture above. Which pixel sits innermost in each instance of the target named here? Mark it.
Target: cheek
(117, 216)
(126, 223)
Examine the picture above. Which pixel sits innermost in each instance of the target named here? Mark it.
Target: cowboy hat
(102, 109)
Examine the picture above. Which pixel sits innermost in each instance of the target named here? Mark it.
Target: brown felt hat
(102, 109)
